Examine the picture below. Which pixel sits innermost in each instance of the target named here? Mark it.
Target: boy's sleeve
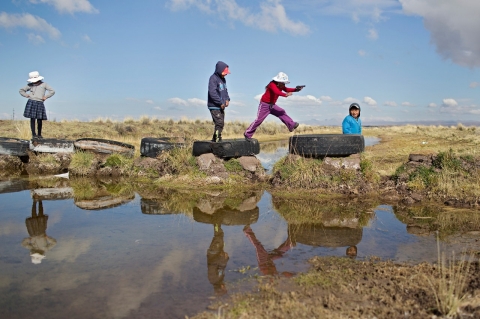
(23, 91)
(212, 91)
(290, 89)
(50, 90)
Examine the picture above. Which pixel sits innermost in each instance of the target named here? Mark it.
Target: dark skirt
(35, 110)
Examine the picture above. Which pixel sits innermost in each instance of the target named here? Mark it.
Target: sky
(401, 60)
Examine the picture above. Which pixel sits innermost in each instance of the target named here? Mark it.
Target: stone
(204, 161)
(249, 163)
(350, 162)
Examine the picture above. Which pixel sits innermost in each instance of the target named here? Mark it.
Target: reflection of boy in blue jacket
(352, 123)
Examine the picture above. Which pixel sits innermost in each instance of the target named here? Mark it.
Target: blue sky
(404, 60)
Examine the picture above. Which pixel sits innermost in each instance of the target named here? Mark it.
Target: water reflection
(168, 251)
(91, 194)
(219, 210)
(266, 258)
(38, 243)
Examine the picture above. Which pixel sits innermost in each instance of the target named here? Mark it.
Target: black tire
(51, 145)
(226, 216)
(13, 186)
(152, 147)
(13, 146)
(322, 145)
(318, 235)
(236, 148)
(153, 207)
(202, 147)
(102, 146)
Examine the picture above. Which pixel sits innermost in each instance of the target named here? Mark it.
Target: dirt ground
(348, 288)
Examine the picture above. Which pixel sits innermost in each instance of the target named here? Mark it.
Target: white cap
(37, 258)
(34, 76)
(281, 77)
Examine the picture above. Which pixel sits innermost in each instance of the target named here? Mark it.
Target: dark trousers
(39, 125)
(218, 117)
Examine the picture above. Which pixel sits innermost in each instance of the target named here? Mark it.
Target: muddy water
(109, 249)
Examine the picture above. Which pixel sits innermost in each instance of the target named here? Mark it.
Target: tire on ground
(51, 145)
(236, 148)
(13, 146)
(322, 145)
(202, 147)
(152, 147)
(102, 146)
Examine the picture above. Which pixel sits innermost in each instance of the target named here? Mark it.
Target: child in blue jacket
(218, 98)
(352, 123)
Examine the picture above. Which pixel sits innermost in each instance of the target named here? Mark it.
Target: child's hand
(288, 94)
(227, 103)
(44, 98)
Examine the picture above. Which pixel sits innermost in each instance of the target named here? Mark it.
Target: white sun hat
(281, 77)
(37, 258)
(34, 77)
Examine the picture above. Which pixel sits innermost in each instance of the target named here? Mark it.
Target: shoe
(295, 126)
(219, 139)
(248, 138)
(39, 136)
(34, 136)
(214, 138)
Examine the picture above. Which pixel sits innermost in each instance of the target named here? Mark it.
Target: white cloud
(69, 6)
(390, 103)
(326, 98)
(362, 53)
(453, 26)
(350, 100)
(28, 21)
(407, 104)
(372, 34)
(149, 102)
(369, 101)
(357, 9)
(35, 38)
(304, 99)
(474, 84)
(432, 105)
(86, 38)
(188, 102)
(449, 103)
(271, 16)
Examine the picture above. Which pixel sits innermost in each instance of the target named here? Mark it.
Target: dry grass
(449, 287)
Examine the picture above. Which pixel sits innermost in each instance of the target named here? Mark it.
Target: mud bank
(420, 179)
(347, 288)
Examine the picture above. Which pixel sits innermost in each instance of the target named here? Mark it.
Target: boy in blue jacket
(352, 123)
(218, 98)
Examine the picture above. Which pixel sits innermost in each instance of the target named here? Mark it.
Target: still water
(107, 249)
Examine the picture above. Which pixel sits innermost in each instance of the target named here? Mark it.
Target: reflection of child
(268, 105)
(35, 109)
(218, 98)
(351, 251)
(352, 124)
(265, 259)
(38, 242)
(217, 262)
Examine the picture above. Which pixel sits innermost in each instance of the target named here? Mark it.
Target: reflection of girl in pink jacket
(265, 259)
(38, 242)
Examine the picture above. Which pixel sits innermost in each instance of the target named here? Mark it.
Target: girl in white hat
(35, 109)
(268, 105)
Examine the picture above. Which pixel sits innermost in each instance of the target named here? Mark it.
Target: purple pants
(264, 109)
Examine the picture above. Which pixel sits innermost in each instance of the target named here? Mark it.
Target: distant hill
(337, 122)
